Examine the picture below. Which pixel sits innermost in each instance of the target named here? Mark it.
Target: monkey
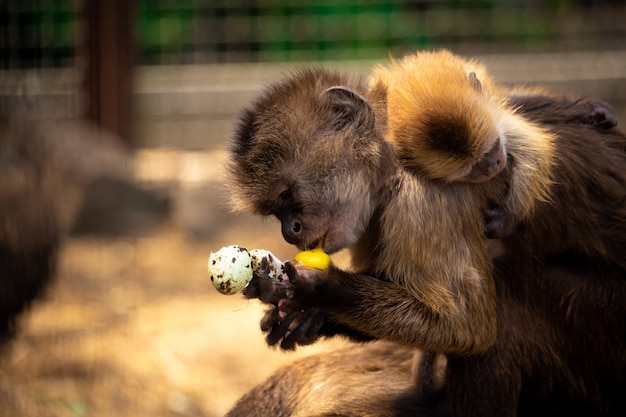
(312, 152)
(341, 382)
(446, 117)
(417, 98)
(450, 121)
(47, 168)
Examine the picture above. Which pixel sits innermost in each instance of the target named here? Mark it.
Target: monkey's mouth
(315, 244)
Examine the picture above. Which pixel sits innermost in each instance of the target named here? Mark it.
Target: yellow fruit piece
(313, 259)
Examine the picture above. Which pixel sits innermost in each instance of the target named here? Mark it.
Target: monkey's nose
(292, 231)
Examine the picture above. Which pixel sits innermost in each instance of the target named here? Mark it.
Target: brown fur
(421, 275)
(442, 124)
(370, 380)
(349, 191)
(427, 88)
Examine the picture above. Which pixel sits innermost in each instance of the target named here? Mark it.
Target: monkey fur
(450, 121)
(444, 114)
(312, 152)
(345, 382)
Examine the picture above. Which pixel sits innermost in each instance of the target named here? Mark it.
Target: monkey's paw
(288, 325)
(266, 289)
(293, 320)
(498, 223)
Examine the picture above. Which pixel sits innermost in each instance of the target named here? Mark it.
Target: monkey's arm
(531, 151)
(548, 108)
(306, 325)
(364, 308)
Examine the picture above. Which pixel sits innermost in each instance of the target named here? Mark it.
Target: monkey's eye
(285, 196)
(274, 205)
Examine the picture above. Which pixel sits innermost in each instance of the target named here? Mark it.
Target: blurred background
(115, 117)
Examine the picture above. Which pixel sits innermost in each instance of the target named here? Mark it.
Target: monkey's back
(586, 211)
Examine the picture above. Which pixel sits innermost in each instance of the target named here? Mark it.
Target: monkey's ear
(475, 82)
(349, 108)
(244, 133)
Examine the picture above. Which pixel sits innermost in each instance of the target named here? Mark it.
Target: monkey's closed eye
(285, 196)
(277, 204)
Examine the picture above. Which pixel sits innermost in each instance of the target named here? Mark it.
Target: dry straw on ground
(133, 327)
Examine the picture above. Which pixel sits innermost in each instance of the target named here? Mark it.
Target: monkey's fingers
(281, 328)
(253, 289)
(270, 319)
(304, 280)
(306, 332)
(291, 272)
(259, 284)
(264, 288)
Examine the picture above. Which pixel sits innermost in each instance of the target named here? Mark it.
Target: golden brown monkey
(447, 117)
(319, 163)
(312, 152)
(450, 121)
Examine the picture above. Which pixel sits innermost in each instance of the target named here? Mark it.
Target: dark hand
(262, 287)
(290, 322)
(498, 223)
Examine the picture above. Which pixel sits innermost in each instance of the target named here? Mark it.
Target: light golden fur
(427, 90)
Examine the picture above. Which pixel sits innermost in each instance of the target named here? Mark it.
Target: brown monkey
(450, 121)
(312, 152)
(425, 88)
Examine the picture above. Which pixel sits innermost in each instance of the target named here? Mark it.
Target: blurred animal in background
(51, 171)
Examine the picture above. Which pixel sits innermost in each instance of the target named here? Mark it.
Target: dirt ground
(133, 327)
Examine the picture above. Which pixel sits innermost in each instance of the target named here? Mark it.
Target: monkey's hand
(287, 322)
(291, 325)
(262, 286)
(498, 222)
(290, 321)
(295, 317)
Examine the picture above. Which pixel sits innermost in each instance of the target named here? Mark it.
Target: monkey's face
(307, 153)
(444, 116)
(463, 144)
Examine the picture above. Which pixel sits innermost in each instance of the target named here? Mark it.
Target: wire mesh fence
(279, 30)
(42, 33)
(40, 54)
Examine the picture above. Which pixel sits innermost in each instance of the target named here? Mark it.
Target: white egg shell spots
(230, 269)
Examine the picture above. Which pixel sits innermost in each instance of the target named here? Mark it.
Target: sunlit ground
(133, 327)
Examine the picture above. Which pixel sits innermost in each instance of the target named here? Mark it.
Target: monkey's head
(309, 152)
(444, 116)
